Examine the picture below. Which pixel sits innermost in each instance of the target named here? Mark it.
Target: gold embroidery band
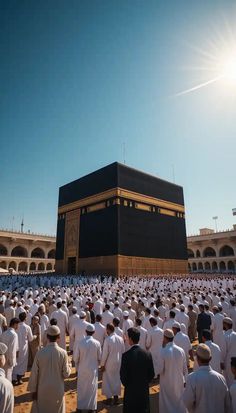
(146, 201)
(96, 207)
(167, 212)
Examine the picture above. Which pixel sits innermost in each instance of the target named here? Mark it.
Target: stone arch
(200, 266)
(41, 266)
(198, 254)
(19, 251)
(13, 265)
(207, 266)
(32, 266)
(209, 252)
(3, 250)
(226, 251)
(22, 266)
(194, 266)
(222, 266)
(190, 253)
(52, 254)
(214, 266)
(3, 265)
(49, 267)
(230, 266)
(38, 253)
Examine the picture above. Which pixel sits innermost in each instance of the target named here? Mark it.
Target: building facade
(212, 251)
(27, 252)
(208, 251)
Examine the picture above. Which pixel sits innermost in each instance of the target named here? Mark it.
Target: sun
(229, 69)
(214, 61)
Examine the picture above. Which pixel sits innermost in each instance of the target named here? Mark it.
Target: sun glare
(215, 62)
(229, 69)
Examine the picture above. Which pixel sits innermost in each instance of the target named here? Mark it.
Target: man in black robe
(136, 373)
(203, 322)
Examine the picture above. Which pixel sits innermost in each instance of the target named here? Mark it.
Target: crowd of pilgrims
(132, 331)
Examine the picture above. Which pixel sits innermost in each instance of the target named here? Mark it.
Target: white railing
(13, 231)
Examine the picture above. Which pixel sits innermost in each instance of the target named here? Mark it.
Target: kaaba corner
(123, 222)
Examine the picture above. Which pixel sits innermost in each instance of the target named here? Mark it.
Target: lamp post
(215, 219)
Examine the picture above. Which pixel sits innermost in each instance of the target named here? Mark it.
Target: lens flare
(215, 63)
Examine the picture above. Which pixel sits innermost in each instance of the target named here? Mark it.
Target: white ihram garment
(111, 360)
(87, 355)
(78, 332)
(182, 317)
(9, 314)
(6, 394)
(127, 323)
(154, 345)
(217, 330)
(230, 340)
(216, 357)
(98, 307)
(107, 317)
(173, 369)
(10, 338)
(232, 392)
(72, 320)
(62, 323)
(143, 337)
(182, 340)
(25, 335)
(44, 323)
(206, 392)
(100, 332)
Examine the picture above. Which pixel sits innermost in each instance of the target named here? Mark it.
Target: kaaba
(123, 222)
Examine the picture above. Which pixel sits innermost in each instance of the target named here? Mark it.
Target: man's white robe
(49, 370)
(230, 341)
(127, 323)
(9, 314)
(111, 359)
(232, 392)
(10, 338)
(6, 394)
(216, 357)
(87, 356)
(206, 391)
(143, 337)
(173, 369)
(62, 323)
(78, 332)
(25, 335)
(154, 345)
(217, 331)
(182, 340)
(100, 332)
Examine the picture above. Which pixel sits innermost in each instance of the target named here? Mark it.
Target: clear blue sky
(79, 78)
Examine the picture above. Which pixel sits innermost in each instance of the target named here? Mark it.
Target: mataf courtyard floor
(23, 401)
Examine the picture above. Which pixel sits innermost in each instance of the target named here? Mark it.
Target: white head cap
(3, 349)
(90, 328)
(82, 314)
(176, 325)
